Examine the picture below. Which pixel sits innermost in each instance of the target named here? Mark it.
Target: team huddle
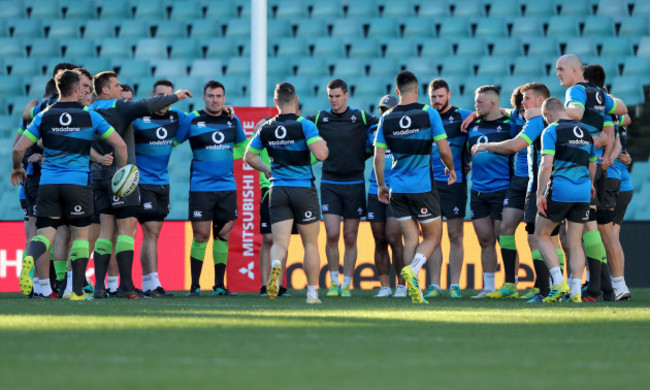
(560, 167)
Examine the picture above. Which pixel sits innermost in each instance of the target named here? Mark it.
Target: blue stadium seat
(205, 28)
(506, 47)
(49, 63)
(563, 27)
(305, 86)
(375, 86)
(185, 48)
(471, 47)
(349, 68)
(457, 66)
(467, 9)
(79, 10)
(527, 27)
(311, 105)
(554, 86)
(192, 84)
(43, 48)
(633, 27)
(641, 8)
(613, 8)
(11, 86)
(220, 48)
(238, 66)
(454, 28)
(435, 48)
(37, 84)
(132, 28)
(529, 66)
(278, 67)
(4, 30)
(12, 9)
(224, 10)
(292, 47)
(383, 67)
(504, 8)
(326, 9)
(170, 29)
(280, 28)
(25, 28)
(400, 48)
(491, 28)
(151, 49)
(186, 11)
(598, 26)
(362, 9)
(44, 10)
(116, 47)
(644, 47)
(422, 66)
(432, 9)
(609, 64)
(580, 46)
(100, 29)
(616, 47)
(291, 10)
(347, 28)
(638, 67)
(206, 69)
(419, 28)
(311, 66)
(311, 28)
(236, 86)
(62, 29)
(133, 68)
(147, 9)
(574, 8)
(115, 9)
(328, 47)
(11, 47)
(22, 66)
(364, 48)
(383, 28)
(471, 83)
(93, 64)
(509, 83)
(397, 10)
(539, 8)
(494, 66)
(465, 101)
(238, 28)
(542, 47)
(170, 69)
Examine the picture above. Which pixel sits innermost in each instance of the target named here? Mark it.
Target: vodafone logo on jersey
(161, 133)
(65, 119)
(405, 122)
(280, 132)
(218, 137)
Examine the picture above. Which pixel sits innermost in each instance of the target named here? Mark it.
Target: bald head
(568, 69)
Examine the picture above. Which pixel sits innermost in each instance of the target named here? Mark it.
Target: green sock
(197, 253)
(594, 247)
(509, 256)
(79, 254)
(124, 248)
(220, 255)
(60, 267)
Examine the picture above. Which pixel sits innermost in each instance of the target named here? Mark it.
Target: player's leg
(350, 234)
(543, 229)
(332, 232)
(455, 230)
(154, 207)
(596, 256)
(59, 257)
(125, 249)
(576, 263)
(281, 231)
(311, 263)
(103, 250)
(221, 233)
(623, 199)
(200, 237)
(382, 257)
(79, 254)
(507, 243)
(265, 260)
(394, 238)
(487, 236)
(37, 247)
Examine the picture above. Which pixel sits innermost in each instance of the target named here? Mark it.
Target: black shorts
(31, 193)
(623, 199)
(346, 200)
(516, 194)
(213, 206)
(603, 199)
(530, 208)
(23, 205)
(67, 201)
(423, 207)
(487, 204)
(577, 212)
(612, 186)
(453, 199)
(297, 203)
(108, 203)
(154, 202)
(377, 211)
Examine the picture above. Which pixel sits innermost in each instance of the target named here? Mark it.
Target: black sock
(79, 275)
(35, 249)
(52, 275)
(101, 268)
(195, 267)
(219, 274)
(595, 268)
(125, 264)
(509, 260)
(542, 275)
(606, 279)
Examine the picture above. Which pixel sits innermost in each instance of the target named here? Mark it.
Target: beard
(444, 107)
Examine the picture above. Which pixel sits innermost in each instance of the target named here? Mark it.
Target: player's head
(214, 97)
(595, 74)
(127, 92)
(568, 69)
(67, 84)
(486, 99)
(107, 86)
(553, 109)
(439, 94)
(285, 98)
(534, 95)
(63, 66)
(50, 89)
(161, 88)
(406, 84)
(387, 102)
(516, 98)
(337, 94)
(86, 86)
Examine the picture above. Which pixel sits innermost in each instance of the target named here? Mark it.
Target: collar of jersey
(103, 103)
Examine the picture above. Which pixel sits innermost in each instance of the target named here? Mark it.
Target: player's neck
(287, 111)
(213, 113)
(103, 97)
(447, 108)
(69, 99)
(408, 99)
(340, 110)
(492, 116)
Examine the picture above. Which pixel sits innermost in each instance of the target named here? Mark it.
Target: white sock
(347, 280)
(454, 285)
(312, 292)
(35, 285)
(576, 286)
(516, 279)
(488, 281)
(400, 286)
(418, 262)
(68, 285)
(334, 276)
(619, 283)
(146, 285)
(45, 287)
(112, 282)
(274, 262)
(556, 274)
(155, 282)
(587, 276)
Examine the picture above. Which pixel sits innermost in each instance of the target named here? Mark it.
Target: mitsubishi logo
(218, 137)
(65, 119)
(248, 270)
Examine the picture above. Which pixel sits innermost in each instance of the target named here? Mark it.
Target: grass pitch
(249, 342)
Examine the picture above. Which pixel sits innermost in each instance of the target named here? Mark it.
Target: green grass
(248, 342)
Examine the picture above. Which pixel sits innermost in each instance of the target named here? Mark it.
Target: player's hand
(17, 176)
(382, 194)
(182, 94)
(36, 157)
(230, 110)
(625, 158)
(604, 163)
(267, 174)
(476, 148)
(452, 176)
(541, 204)
(465, 125)
(593, 192)
(108, 159)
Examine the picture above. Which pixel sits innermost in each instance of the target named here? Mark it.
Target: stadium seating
(539, 8)
(186, 10)
(99, 29)
(44, 48)
(428, 9)
(79, 10)
(527, 27)
(169, 69)
(185, 48)
(76, 48)
(169, 29)
(205, 28)
(116, 9)
(326, 9)
(332, 47)
(206, 68)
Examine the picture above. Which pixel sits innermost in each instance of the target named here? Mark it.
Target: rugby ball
(125, 180)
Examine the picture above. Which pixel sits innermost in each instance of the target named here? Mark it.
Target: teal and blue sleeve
(576, 95)
(548, 141)
(380, 141)
(33, 132)
(437, 128)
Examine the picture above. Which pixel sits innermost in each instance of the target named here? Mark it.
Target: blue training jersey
(67, 130)
(213, 140)
(155, 136)
(573, 149)
(286, 138)
(451, 121)
(409, 132)
(388, 161)
(491, 172)
(531, 133)
(521, 158)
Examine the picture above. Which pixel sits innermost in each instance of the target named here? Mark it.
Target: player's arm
(131, 110)
(510, 146)
(108, 134)
(240, 142)
(447, 158)
(544, 175)
(104, 159)
(614, 106)
(616, 150)
(252, 158)
(28, 114)
(608, 143)
(575, 111)
(27, 139)
(625, 120)
(379, 163)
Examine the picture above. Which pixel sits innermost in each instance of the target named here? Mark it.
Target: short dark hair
(487, 88)
(284, 93)
(50, 88)
(63, 66)
(127, 88)
(165, 83)
(539, 88)
(102, 79)
(406, 81)
(212, 84)
(84, 72)
(66, 80)
(595, 73)
(437, 84)
(338, 83)
(516, 98)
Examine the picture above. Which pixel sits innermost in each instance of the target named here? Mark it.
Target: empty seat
(192, 84)
(185, 48)
(206, 68)
(471, 47)
(115, 9)
(134, 68)
(362, 9)
(613, 8)
(63, 29)
(170, 29)
(235, 86)
(428, 9)
(616, 47)
(598, 26)
(44, 48)
(397, 10)
(436, 48)
(527, 27)
(369, 86)
(240, 66)
(312, 67)
(510, 83)
(644, 47)
(633, 27)
(12, 9)
(95, 64)
(223, 10)
(383, 67)
(238, 28)
(494, 66)
(422, 66)
(22, 66)
(134, 29)
(506, 47)
(147, 9)
(419, 28)
(278, 66)
(186, 11)
(80, 10)
(347, 28)
(310, 28)
(491, 28)
(529, 66)
(641, 8)
(563, 27)
(454, 28)
(326, 9)
(205, 28)
(291, 9)
(25, 28)
(468, 9)
(292, 47)
(44, 10)
(400, 48)
(471, 83)
(609, 65)
(349, 68)
(151, 49)
(580, 47)
(383, 28)
(574, 8)
(11, 47)
(37, 84)
(328, 47)
(116, 47)
(457, 66)
(220, 48)
(540, 47)
(628, 89)
(539, 8)
(99, 29)
(171, 68)
(280, 28)
(504, 8)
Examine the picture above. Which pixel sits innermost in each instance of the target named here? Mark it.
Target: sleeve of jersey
(255, 145)
(608, 120)
(530, 132)
(310, 131)
(240, 141)
(610, 104)
(33, 132)
(380, 141)
(436, 125)
(592, 153)
(548, 141)
(183, 132)
(575, 95)
(102, 128)
(369, 136)
(464, 113)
